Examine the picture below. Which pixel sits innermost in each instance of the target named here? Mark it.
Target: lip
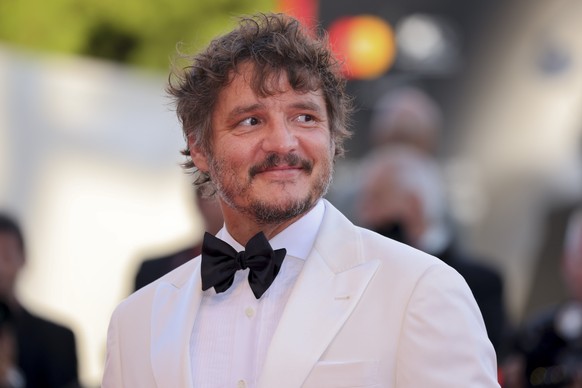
(281, 172)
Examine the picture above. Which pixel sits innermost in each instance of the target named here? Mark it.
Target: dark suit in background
(47, 355)
(152, 269)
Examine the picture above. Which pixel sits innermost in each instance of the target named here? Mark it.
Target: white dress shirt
(233, 329)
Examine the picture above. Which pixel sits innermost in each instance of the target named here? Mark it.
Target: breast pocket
(350, 374)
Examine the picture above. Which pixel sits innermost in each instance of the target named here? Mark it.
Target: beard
(264, 211)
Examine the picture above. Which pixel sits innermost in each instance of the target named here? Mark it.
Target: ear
(198, 156)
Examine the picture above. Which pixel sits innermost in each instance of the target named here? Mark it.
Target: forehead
(262, 82)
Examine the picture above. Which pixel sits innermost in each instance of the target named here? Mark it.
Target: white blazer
(366, 311)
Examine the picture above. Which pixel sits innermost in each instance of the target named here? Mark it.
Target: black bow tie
(220, 261)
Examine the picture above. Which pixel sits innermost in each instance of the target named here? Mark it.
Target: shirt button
(241, 384)
(249, 312)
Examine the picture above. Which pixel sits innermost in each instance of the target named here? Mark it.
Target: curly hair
(273, 44)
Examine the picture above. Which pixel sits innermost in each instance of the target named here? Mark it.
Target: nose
(280, 137)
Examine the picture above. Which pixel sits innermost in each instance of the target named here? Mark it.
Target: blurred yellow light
(371, 46)
(366, 44)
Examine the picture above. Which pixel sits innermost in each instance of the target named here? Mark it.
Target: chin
(269, 212)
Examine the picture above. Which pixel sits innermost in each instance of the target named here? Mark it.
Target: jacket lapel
(175, 305)
(328, 289)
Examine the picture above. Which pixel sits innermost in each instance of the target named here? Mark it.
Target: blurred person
(402, 196)
(45, 351)
(403, 115)
(10, 375)
(406, 115)
(152, 269)
(549, 343)
(547, 285)
(264, 112)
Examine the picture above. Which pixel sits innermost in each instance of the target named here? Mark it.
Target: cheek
(230, 164)
(236, 161)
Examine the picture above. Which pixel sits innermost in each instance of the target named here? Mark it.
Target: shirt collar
(298, 238)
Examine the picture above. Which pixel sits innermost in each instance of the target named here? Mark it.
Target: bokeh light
(365, 44)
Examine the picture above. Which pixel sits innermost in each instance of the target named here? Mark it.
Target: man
(45, 352)
(548, 348)
(403, 115)
(402, 196)
(264, 113)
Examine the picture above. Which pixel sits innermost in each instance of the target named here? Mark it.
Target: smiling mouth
(281, 173)
(281, 168)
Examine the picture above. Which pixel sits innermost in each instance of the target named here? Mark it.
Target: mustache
(274, 160)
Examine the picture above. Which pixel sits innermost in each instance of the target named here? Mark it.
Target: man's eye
(250, 121)
(305, 118)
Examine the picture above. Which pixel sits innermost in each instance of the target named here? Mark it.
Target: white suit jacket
(365, 311)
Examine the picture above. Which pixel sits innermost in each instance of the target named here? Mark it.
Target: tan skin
(246, 129)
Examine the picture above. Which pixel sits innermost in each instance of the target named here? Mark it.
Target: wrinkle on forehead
(266, 80)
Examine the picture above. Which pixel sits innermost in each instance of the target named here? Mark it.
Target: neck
(242, 227)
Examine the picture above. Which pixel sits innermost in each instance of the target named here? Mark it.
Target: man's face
(272, 157)
(11, 261)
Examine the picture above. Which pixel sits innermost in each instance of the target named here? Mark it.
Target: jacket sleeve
(443, 341)
(112, 375)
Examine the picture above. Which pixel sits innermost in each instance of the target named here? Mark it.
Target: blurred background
(89, 143)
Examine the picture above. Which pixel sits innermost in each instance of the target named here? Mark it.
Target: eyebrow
(307, 105)
(242, 110)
